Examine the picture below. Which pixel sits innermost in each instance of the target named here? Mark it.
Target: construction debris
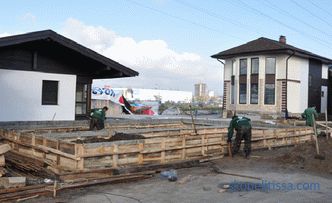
(216, 169)
(12, 182)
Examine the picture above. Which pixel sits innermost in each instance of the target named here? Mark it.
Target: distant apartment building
(268, 76)
(201, 90)
(201, 93)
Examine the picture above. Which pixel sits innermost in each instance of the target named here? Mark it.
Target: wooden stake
(192, 120)
(315, 134)
(55, 187)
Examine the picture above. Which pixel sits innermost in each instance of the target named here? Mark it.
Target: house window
(254, 66)
(254, 81)
(269, 97)
(310, 80)
(254, 93)
(232, 89)
(270, 65)
(243, 82)
(233, 92)
(50, 92)
(243, 93)
(243, 66)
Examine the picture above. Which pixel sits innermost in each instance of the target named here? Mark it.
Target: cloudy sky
(169, 42)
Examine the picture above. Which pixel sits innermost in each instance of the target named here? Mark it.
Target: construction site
(70, 133)
(45, 161)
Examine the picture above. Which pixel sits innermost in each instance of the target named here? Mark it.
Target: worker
(308, 115)
(98, 118)
(242, 125)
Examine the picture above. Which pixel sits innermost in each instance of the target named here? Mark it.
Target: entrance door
(329, 97)
(324, 95)
(82, 104)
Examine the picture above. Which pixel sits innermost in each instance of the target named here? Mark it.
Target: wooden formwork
(160, 146)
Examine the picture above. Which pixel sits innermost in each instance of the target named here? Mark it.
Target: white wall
(21, 93)
(228, 69)
(298, 69)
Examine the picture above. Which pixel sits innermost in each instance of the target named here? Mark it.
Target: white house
(268, 76)
(45, 76)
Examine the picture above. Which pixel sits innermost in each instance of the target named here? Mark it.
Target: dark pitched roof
(264, 45)
(51, 35)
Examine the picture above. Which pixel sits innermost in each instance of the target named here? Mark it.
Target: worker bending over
(98, 118)
(308, 115)
(242, 125)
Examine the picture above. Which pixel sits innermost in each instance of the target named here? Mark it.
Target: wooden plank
(2, 160)
(115, 156)
(140, 155)
(183, 147)
(4, 148)
(163, 148)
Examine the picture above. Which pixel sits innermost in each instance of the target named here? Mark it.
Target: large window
(233, 89)
(243, 93)
(254, 65)
(254, 93)
(243, 82)
(270, 71)
(243, 66)
(269, 94)
(270, 65)
(50, 92)
(254, 81)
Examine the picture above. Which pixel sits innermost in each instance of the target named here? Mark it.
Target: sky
(169, 42)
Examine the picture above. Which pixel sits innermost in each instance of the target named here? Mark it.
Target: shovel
(318, 155)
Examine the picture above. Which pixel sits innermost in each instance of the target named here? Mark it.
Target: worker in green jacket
(98, 117)
(242, 125)
(308, 115)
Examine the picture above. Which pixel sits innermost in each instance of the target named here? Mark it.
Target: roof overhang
(107, 68)
(281, 51)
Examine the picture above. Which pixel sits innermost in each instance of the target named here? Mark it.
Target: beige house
(272, 77)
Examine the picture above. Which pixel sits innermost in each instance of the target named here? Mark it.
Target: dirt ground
(288, 165)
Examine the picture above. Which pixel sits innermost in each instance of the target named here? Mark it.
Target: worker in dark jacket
(98, 118)
(308, 115)
(242, 125)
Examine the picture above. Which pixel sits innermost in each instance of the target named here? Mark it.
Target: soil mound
(303, 156)
(115, 137)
